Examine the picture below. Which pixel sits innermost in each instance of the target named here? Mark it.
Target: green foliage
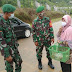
(29, 14)
(53, 14)
(25, 14)
(31, 3)
(13, 2)
(0, 2)
(71, 12)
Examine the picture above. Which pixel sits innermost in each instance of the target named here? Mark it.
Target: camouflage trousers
(17, 60)
(40, 47)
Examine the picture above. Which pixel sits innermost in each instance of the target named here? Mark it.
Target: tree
(0, 3)
(50, 0)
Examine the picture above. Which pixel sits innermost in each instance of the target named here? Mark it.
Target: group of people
(43, 35)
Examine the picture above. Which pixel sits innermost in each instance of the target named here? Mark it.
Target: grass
(57, 19)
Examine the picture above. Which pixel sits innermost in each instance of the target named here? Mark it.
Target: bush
(29, 14)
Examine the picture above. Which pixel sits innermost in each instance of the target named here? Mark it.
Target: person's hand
(9, 59)
(36, 43)
(60, 29)
(52, 40)
(58, 41)
(65, 43)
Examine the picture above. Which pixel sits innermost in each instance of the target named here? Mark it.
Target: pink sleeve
(63, 36)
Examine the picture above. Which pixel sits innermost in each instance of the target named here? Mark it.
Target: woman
(65, 35)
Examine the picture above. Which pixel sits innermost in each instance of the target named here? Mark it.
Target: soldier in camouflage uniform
(42, 35)
(8, 42)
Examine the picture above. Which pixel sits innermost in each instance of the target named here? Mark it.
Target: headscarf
(66, 34)
(67, 19)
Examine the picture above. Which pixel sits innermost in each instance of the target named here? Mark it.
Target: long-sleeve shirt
(66, 36)
(42, 30)
(7, 38)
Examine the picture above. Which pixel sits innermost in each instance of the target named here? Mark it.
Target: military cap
(8, 8)
(39, 9)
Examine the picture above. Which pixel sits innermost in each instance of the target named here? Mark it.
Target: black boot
(39, 64)
(50, 64)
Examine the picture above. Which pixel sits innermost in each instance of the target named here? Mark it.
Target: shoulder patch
(50, 23)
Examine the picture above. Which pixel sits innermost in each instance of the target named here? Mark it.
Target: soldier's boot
(50, 64)
(39, 64)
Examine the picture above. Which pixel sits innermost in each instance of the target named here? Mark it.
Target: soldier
(42, 35)
(8, 42)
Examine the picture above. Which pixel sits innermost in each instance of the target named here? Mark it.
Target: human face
(63, 22)
(41, 14)
(10, 14)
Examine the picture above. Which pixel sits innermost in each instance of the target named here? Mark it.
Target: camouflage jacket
(42, 30)
(7, 38)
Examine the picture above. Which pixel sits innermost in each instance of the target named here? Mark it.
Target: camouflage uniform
(42, 33)
(8, 45)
